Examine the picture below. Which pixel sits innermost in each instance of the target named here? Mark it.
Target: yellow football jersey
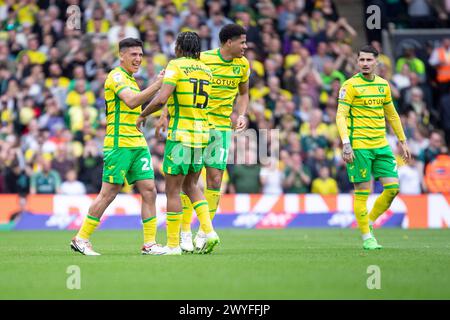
(187, 104)
(121, 129)
(227, 75)
(366, 103)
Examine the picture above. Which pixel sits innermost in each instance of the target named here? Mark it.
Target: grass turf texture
(248, 264)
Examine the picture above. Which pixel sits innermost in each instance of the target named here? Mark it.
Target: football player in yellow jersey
(363, 104)
(126, 154)
(231, 72)
(186, 90)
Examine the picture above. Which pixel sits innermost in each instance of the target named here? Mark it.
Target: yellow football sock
(202, 210)
(173, 228)
(187, 213)
(360, 209)
(88, 227)
(213, 197)
(384, 201)
(149, 226)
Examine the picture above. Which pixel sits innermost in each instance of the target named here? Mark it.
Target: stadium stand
(52, 74)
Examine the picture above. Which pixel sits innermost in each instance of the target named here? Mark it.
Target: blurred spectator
(435, 148)
(440, 59)
(444, 110)
(90, 166)
(410, 177)
(62, 162)
(421, 13)
(245, 177)
(324, 184)
(415, 64)
(71, 186)
(271, 178)
(46, 181)
(298, 176)
(437, 175)
(123, 29)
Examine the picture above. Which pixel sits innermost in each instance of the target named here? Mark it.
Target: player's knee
(189, 187)
(214, 182)
(149, 192)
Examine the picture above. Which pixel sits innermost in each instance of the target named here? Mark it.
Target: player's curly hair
(230, 32)
(188, 45)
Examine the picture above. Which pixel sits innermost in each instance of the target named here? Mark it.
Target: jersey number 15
(198, 91)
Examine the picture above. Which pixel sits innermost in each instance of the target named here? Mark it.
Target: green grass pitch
(248, 264)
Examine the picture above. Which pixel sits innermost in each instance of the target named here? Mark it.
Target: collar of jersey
(121, 68)
(362, 77)
(221, 58)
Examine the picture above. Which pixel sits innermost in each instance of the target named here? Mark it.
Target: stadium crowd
(53, 67)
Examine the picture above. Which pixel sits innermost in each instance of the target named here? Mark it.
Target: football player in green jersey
(186, 90)
(364, 104)
(229, 91)
(126, 154)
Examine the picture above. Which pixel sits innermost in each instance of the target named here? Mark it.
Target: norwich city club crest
(237, 70)
(381, 89)
(363, 173)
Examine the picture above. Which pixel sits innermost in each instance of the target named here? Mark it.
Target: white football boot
(212, 240)
(152, 249)
(199, 242)
(168, 251)
(83, 247)
(186, 242)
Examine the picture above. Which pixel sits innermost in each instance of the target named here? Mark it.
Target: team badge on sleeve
(169, 73)
(117, 77)
(342, 93)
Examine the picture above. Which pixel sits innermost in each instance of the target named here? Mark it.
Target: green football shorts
(380, 162)
(132, 164)
(181, 159)
(216, 153)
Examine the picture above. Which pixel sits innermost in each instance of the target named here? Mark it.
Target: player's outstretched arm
(134, 100)
(156, 104)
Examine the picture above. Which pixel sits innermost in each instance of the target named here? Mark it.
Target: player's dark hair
(369, 49)
(129, 43)
(230, 31)
(188, 45)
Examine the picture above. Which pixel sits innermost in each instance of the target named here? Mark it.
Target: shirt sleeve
(392, 116)
(345, 99)
(247, 72)
(118, 82)
(172, 74)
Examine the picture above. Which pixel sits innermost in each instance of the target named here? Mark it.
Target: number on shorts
(146, 165)
(222, 154)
